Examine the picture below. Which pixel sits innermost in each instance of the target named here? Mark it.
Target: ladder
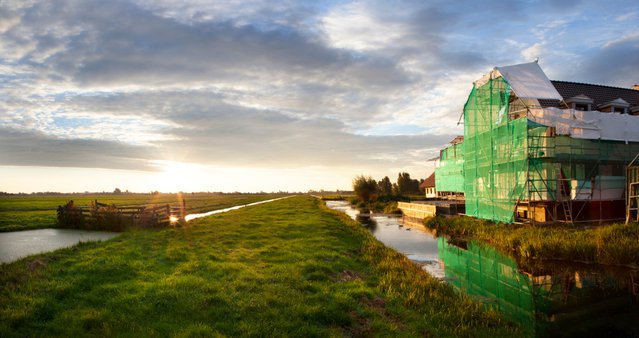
(563, 193)
(633, 202)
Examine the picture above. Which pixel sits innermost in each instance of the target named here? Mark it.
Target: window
(582, 106)
(615, 106)
(580, 102)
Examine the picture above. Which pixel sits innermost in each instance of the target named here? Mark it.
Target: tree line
(369, 190)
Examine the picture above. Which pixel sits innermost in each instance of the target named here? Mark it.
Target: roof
(527, 80)
(429, 182)
(457, 140)
(598, 93)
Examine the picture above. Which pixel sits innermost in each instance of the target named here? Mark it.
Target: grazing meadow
(21, 212)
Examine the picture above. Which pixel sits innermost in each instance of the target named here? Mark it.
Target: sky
(269, 95)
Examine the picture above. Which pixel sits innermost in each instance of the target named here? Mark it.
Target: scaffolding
(632, 198)
(449, 175)
(517, 169)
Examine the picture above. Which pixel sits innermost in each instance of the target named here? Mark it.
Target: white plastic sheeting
(592, 125)
(527, 80)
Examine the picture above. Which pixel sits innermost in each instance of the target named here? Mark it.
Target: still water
(219, 211)
(415, 242)
(19, 244)
(549, 299)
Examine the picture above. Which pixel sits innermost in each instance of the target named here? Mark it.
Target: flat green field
(19, 212)
(286, 268)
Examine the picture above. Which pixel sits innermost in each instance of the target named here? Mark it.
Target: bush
(107, 217)
(70, 216)
(391, 208)
(365, 188)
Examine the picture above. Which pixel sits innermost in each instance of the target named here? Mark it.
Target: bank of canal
(291, 268)
(547, 298)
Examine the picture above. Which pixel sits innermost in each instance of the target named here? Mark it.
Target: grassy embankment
(286, 268)
(21, 212)
(616, 244)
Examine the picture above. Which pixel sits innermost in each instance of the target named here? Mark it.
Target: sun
(178, 176)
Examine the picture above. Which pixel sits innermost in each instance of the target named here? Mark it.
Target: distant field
(19, 212)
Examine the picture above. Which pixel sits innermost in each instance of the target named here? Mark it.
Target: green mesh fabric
(449, 176)
(495, 153)
(508, 160)
(482, 272)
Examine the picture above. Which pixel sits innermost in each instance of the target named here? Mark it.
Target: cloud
(121, 84)
(616, 63)
(37, 149)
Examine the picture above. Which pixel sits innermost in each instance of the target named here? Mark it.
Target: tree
(117, 191)
(406, 185)
(365, 188)
(385, 187)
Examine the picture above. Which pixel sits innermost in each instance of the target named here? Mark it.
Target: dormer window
(582, 106)
(615, 106)
(580, 102)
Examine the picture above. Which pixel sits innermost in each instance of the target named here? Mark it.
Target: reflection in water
(551, 300)
(366, 220)
(548, 299)
(417, 244)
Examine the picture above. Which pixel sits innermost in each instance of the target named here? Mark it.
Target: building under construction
(536, 150)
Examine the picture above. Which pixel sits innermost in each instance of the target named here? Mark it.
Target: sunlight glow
(176, 176)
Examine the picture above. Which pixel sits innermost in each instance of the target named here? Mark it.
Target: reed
(616, 244)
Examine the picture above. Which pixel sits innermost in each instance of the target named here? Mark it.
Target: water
(219, 211)
(549, 299)
(415, 242)
(19, 244)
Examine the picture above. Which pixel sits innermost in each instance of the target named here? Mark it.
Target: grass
(286, 268)
(616, 244)
(21, 212)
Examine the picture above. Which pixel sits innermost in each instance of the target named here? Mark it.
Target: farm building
(429, 186)
(543, 151)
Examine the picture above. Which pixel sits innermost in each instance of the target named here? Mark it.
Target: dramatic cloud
(348, 87)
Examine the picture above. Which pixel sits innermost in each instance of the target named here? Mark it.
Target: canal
(18, 244)
(556, 299)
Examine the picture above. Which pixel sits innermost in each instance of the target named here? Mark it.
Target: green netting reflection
(449, 176)
(495, 153)
(483, 272)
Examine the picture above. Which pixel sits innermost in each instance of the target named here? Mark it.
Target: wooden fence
(101, 216)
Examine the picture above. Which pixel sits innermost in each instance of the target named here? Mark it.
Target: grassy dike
(286, 268)
(616, 244)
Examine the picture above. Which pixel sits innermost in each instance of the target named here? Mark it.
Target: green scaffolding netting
(449, 176)
(507, 158)
(483, 272)
(495, 153)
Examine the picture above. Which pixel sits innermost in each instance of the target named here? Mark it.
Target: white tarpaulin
(588, 124)
(528, 81)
